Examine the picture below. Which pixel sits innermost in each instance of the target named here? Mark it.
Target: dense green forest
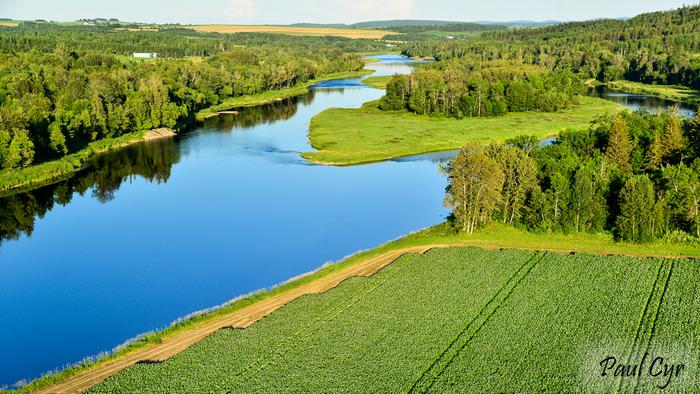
(660, 47)
(61, 88)
(636, 174)
(492, 91)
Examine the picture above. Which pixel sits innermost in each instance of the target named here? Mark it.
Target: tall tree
(673, 139)
(474, 189)
(619, 145)
(520, 177)
(582, 198)
(636, 221)
(655, 153)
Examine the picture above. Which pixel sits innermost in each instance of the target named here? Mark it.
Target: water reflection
(636, 102)
(150, 160)
(259, 115)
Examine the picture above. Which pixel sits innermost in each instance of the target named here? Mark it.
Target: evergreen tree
(655, 153)
(619, 145)
(636, 221)
(673, 139)
(694, 134)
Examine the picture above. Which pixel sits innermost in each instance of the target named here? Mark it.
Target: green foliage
(586, 181)
(656, 48)
(638, 214)
(476, 182)
(487, 92)
(619, 145)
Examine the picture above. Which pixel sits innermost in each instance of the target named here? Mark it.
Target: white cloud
(241, 9)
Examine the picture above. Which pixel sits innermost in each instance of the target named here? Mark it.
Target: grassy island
(368, 134)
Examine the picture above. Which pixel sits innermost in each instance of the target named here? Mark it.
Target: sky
(328, 11)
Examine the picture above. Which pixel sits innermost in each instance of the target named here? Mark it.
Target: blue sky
(327, 11)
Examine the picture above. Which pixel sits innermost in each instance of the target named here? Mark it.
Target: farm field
(452, 319)
(368, 134)
(294, 30)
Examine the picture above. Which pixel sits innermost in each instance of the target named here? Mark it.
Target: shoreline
(677, 94)
(243, 311)
(274, 95)
(50, 172)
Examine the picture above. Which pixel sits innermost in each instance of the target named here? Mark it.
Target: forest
(635, 174)
(78, 85)
(490, 91)
(660, 47)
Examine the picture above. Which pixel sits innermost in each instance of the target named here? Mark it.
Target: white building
(145, 55)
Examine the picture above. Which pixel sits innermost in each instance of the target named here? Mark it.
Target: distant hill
(521, 23)
(376, 24)
(396, 23)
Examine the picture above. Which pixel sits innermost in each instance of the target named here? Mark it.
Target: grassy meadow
(368, 134)
(294, 30)
(377, 82)
(452, 320)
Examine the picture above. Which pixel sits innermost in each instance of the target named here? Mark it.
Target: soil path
(241, 318)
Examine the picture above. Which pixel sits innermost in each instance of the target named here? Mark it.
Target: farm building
(145, 55)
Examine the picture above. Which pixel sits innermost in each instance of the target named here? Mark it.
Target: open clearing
(295, 31)
(455, 319)
(351, 136)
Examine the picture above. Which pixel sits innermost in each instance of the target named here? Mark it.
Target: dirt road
(241, 318)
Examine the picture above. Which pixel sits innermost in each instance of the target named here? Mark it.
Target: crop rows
(459, 319)
(370, 346)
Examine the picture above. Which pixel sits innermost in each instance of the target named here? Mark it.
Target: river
(158, 230)
(161, 229)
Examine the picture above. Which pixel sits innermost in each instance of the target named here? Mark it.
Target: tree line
(166, 40)
(55, 103)
(636, 175)
(491, 91)
(658, 47)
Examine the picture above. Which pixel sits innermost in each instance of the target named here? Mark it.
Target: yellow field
(296, 31)
(9, 23)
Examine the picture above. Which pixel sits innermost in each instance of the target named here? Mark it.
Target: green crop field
(459, 319)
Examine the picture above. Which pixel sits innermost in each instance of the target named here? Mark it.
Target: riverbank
(368, 134)
(680, 94)
(274, 95)
(243, 312)
(25, 179)
(16, 180)
(378, 82)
